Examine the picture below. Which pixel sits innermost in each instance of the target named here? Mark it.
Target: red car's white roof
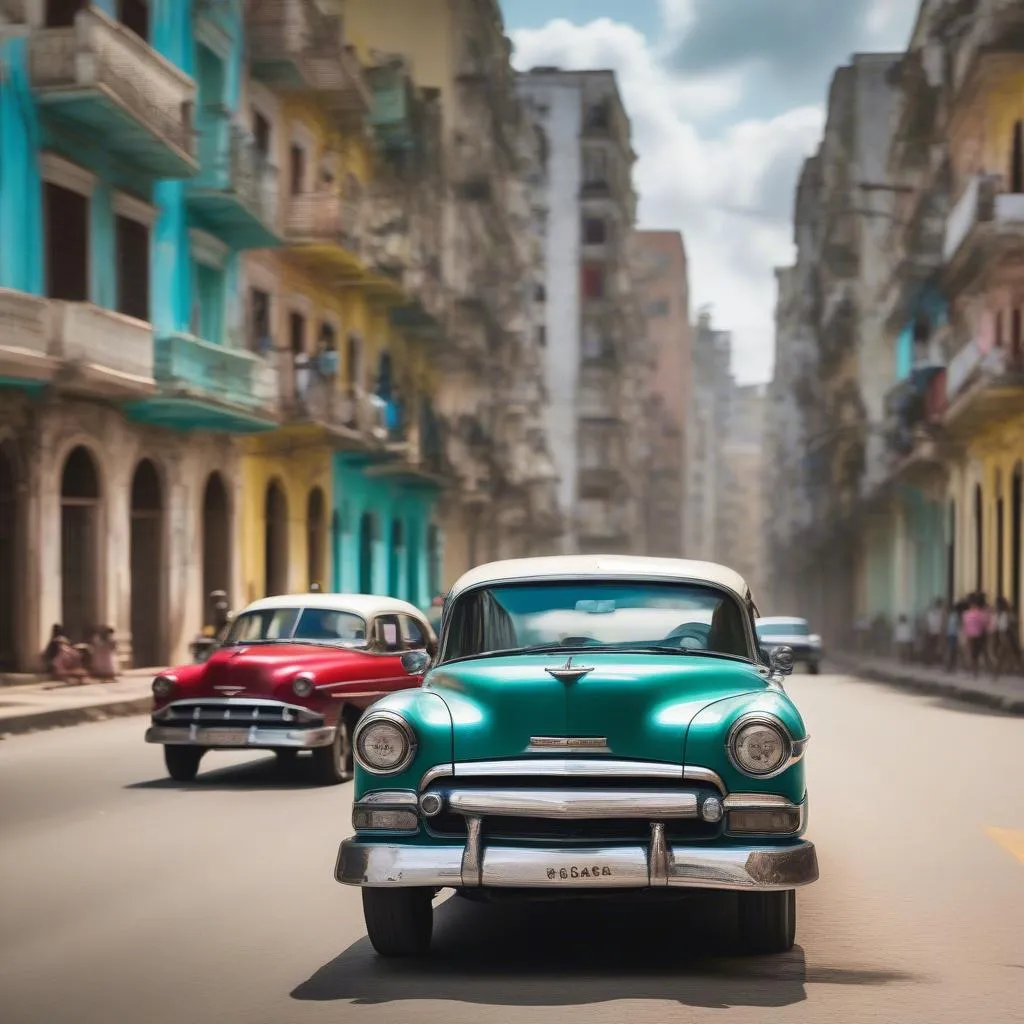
(365, 605)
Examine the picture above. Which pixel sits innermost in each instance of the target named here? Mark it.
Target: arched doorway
(10, 559)
(147, 565)
(367, 529)
(1016, 495)
(412, 572)
(951, 594)
(979, 540)
(216, 540)
(275, 514)
(79, 545)
(433, 562)
(316, 521)
(395, 558)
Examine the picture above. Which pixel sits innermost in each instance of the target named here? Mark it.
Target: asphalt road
(127, 898)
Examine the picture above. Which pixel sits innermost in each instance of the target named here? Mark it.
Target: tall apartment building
(491, 396)
(664, 289)
(596, 359)
(706, 431)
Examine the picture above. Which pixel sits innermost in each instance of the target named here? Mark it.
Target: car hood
(259, 670)
(637, 706)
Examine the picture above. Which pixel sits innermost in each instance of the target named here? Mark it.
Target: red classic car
(293, 673)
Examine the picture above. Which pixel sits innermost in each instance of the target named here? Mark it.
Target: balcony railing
(207, 371)
(973, 364)
(324, 217)
(90, 337)
(232, 164)
(24, 326)
(100, 58)
(295, 45)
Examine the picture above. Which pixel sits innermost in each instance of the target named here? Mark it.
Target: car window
(413, 636)
(321, 624)
(597, 613)
(795, 627)
(387, 632)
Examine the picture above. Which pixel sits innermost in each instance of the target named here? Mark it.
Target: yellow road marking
(1010, 839)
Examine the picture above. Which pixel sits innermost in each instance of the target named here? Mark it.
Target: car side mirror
(415, 662)
(780, 661)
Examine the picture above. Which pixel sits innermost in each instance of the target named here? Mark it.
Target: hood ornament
(229, 691)
(568, 674)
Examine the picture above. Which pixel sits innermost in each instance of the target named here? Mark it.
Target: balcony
(235, 193)
(322, 230)
(206, 386)
(984, 385)
(913, 416)
(294, 47)
(993, 42)
(75, 347)
(986, 226)
(473, 167)
(101, 79)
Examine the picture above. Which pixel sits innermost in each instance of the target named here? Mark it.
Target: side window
(387, 633)
(413, 636)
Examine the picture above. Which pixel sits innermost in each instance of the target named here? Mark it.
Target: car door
(387, 649)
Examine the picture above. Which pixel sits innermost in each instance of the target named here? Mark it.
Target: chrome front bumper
(241, 737)
(379, 865)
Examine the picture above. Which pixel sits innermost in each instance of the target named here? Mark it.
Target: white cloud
(717, 190)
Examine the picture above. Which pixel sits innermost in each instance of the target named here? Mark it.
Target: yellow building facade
(322, 301)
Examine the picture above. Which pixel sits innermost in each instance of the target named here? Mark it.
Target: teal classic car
(590, 726)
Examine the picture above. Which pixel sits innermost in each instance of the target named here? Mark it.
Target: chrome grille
(224, 712)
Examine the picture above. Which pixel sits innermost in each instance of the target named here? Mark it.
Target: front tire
(182, 762)
(767, 921)
(399, 922)
(333, 764)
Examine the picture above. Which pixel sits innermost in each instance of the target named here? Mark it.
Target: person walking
(1007, 650)
(975, 625)
(953, 630)
(935, 625)
(904, 637)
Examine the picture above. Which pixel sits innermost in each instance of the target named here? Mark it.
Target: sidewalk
(36, 706)
(1005, 693)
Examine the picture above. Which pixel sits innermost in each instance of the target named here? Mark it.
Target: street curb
(58, 718)
(938, 688)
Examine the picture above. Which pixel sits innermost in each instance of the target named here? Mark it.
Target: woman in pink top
(975, 625)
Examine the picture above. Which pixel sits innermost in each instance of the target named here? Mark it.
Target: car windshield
(681, 617)
(791, 627)
(322, 625)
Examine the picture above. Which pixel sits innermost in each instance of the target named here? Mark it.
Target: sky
(726, 99)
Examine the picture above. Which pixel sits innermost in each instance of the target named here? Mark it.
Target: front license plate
(577, 872)
(226, 737)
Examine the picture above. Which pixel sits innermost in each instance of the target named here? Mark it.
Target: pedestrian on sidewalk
(976, 624)
(103, 654)
(904, 637)
(61, 659)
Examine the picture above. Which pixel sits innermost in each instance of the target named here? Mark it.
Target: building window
(595, 231)
(61, 13)
(542, 336)
(208, 312)
(261, 133)
(134, 14)
(595, 167)
(259, 325)
(132, 245)
(593, 282)
(66, 216)
(297, 332)
(297, 166)
(1017, 159)
(658, 308)
(540, 293)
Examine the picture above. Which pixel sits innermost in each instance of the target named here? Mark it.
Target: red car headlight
(163, 686)
(302, 685)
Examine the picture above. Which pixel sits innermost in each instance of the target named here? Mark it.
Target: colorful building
(129, 188)
(343, 493)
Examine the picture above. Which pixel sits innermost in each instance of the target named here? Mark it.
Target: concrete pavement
(1005, 693)
(128, 897)
(36, 706)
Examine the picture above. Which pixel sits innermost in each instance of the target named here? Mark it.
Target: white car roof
(602, 566)
(779, 620)
(365, 605)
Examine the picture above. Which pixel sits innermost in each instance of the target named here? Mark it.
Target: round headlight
(163, 686)
(759, 746)
(302, 685)
(385, 744)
